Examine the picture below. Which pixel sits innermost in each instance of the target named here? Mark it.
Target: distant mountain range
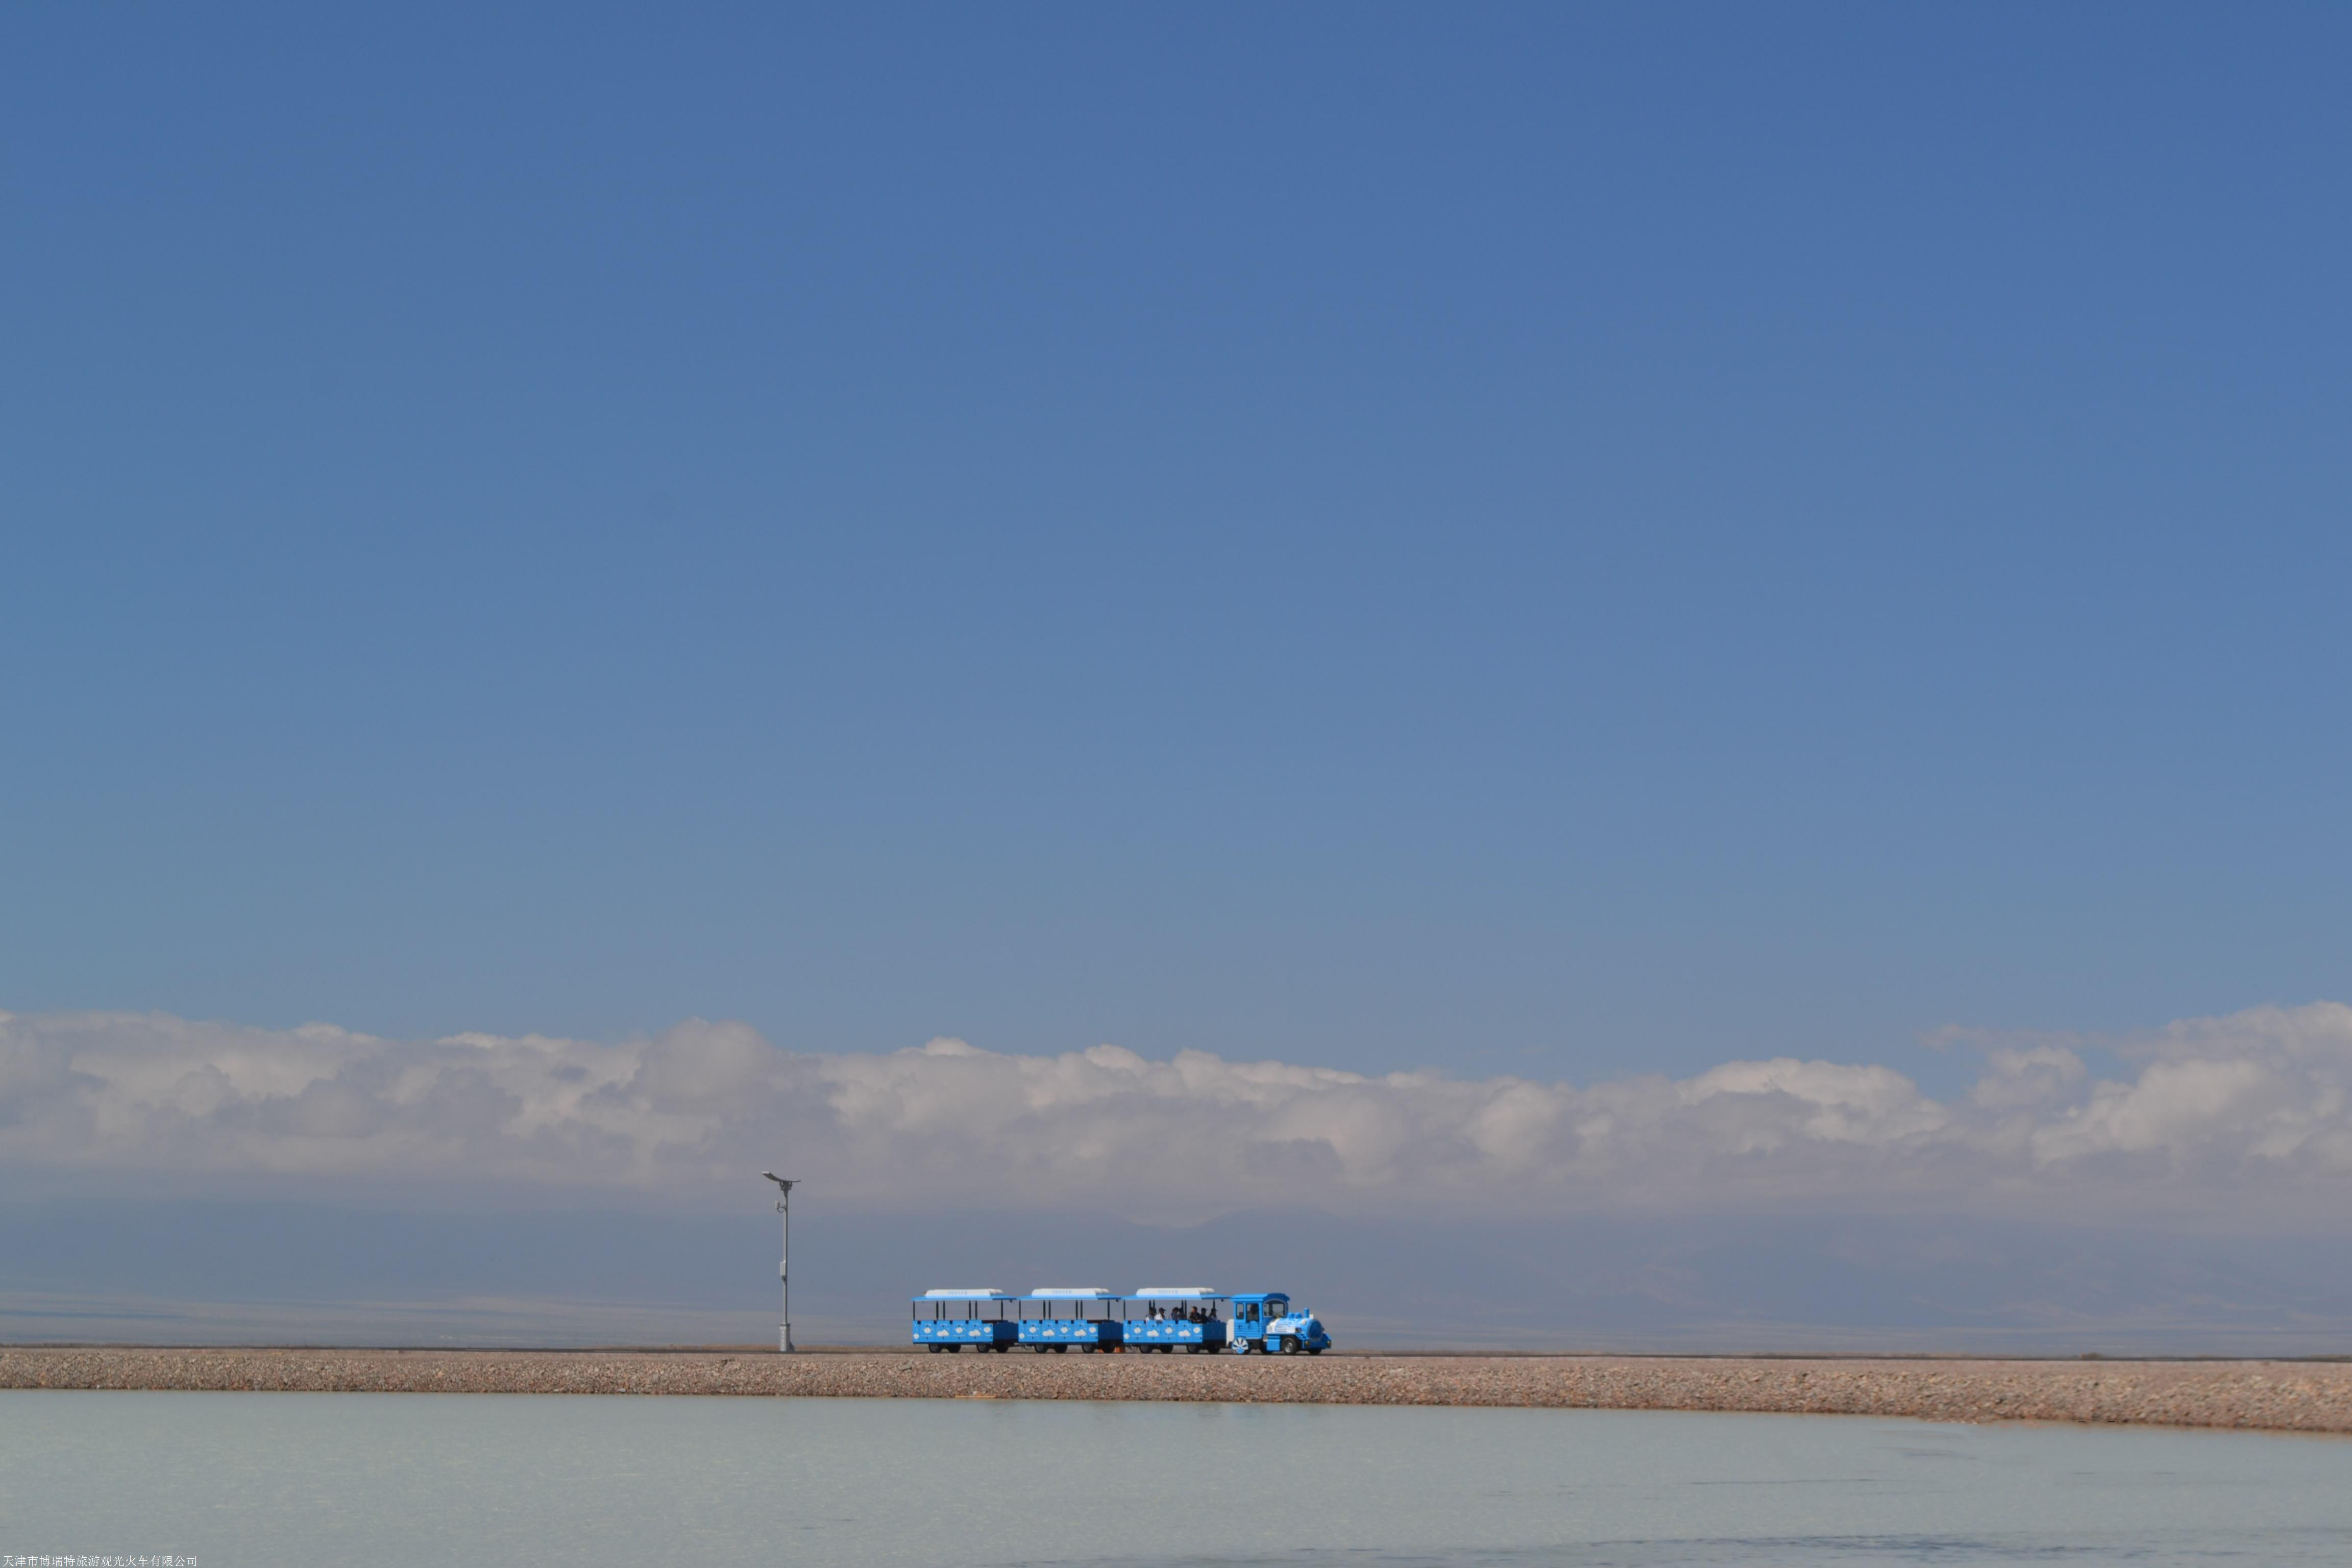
(254, 1272)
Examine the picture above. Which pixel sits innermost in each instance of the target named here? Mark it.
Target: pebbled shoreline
(2287, 1396)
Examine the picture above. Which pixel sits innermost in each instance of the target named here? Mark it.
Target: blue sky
(1528, 540)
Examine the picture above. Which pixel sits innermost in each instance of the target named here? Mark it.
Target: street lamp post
(785, 1266)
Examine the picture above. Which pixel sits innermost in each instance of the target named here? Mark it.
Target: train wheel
(1290, 1344)
(1317, 1350)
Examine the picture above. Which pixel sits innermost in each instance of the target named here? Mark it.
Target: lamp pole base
(784, 1339)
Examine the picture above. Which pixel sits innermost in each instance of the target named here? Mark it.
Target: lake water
(247, 1480)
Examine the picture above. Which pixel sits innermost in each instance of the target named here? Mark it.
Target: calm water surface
(376, 1479)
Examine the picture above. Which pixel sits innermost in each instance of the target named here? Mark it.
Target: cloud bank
(2239, 1116)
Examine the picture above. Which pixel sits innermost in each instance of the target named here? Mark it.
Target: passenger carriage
(1169, 1318)
(1060, 1316)
(950, 1319)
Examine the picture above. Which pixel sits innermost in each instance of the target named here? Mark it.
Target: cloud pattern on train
(2214, 1115)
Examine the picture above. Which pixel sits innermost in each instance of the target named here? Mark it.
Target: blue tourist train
(1164, 1319)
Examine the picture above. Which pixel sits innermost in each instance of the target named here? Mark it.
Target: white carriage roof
(1195, 1290)
(967, 1295)
(1066, 1292)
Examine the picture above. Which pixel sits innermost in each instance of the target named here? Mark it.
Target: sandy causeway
(2291, 1397)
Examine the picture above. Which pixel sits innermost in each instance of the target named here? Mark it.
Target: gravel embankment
(2278, 1395)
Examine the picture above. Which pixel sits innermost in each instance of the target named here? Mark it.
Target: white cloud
(2245, 1114)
